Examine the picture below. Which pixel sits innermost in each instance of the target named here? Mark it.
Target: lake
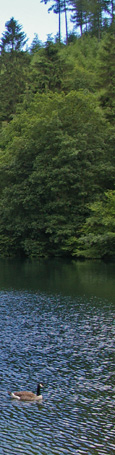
(57, 327)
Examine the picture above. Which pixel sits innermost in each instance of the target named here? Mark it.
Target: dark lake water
(57, 327)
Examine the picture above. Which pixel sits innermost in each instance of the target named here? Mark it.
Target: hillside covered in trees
(57, 136)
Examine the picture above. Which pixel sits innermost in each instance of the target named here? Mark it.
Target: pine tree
(13, 68)
(90, 15)
(79, 14)
(13, 38)
(56, 8)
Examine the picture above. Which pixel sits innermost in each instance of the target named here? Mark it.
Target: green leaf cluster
(98, 235)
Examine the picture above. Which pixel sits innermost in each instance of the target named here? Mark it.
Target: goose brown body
(26, 395)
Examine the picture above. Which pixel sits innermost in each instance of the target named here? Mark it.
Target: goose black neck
(38, 389)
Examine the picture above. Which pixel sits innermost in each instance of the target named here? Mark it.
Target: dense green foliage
(57, 149)
(98, 236)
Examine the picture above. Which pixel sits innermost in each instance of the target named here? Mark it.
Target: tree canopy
(57, 162)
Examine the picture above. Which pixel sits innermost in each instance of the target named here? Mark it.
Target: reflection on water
(57, 276)
(61, 332)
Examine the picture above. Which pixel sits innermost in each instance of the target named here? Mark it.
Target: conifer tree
(13, 68)
(58, 7)
(13, 39)
(79, 13)
(90, 15)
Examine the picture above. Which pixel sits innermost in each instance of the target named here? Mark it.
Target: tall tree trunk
(81, 22)
(66, 25)
(59, 21)
(112, 11)
(81, 29)
(99, 12)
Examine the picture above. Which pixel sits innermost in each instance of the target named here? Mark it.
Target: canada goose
(27, 396)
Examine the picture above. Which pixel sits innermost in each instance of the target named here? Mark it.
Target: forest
(57, 136)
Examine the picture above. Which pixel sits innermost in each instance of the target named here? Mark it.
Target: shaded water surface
(57, 327)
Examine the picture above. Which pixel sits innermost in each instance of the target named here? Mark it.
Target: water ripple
(68, 345)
